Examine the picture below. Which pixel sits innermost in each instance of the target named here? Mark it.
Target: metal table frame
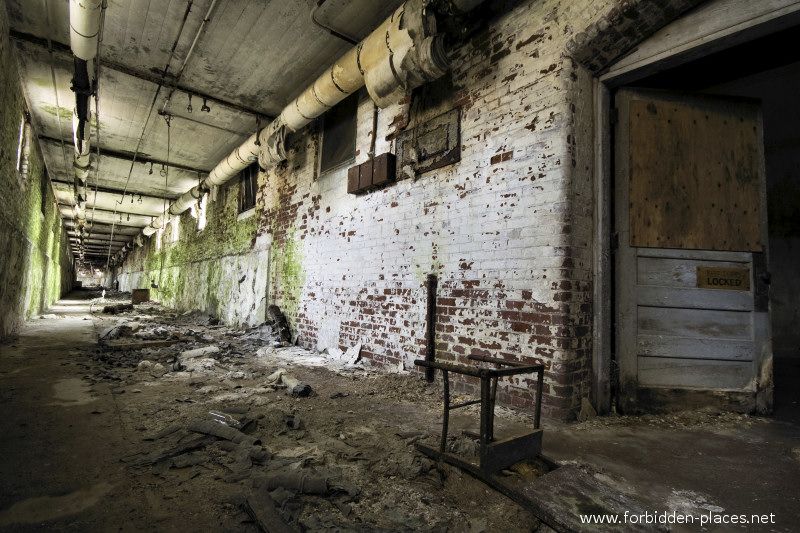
(495, 455)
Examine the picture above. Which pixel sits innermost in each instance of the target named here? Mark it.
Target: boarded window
(339, 134)
(248, 184)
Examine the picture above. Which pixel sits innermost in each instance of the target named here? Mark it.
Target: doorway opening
(766, 69)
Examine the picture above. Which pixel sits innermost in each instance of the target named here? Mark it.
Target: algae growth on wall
(36, 263)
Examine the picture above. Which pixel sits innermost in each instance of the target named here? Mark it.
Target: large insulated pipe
(401, 54)
(84, 29)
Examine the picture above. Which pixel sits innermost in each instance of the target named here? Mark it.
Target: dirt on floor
(141, 418)
(228, 429)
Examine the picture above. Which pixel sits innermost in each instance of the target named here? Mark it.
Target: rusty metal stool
(494, 455)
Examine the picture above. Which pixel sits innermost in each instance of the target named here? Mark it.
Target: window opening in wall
(201, 215)
(43, 189)
(198, 211)
(175, 229)
(248, 184)
(23, 145)
(339, 134)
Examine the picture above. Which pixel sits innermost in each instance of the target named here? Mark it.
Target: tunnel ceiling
(240, 68)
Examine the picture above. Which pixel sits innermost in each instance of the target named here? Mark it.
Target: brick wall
(507, 230)
(35, 263)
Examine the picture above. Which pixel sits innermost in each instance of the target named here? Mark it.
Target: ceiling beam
(71, 224)
(102, 227)
(109, 190)
(167, 80)
(126, 156)
(94, 240)
(89, 209)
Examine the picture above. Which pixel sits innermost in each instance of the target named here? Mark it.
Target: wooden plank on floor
(561, 497)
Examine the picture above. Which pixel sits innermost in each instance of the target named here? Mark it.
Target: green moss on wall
(34, 267)
(290, 276)
(224, 235)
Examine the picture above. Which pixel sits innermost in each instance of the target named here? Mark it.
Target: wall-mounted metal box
(371, 174)
(383, 168)
(365, 176)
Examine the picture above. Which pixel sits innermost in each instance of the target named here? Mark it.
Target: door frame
(726, 23)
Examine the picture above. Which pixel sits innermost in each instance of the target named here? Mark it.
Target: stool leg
(446, 417)
(486, 413)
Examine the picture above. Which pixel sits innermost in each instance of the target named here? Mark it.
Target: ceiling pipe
(84, 30)
(84, 27)
(206, 20)
(401, 54)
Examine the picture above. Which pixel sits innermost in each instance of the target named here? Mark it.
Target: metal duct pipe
(84, 27)
(401, 54)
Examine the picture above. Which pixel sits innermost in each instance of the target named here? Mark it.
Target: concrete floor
(61, 446)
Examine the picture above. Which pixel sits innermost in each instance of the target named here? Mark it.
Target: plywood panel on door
(693, 178)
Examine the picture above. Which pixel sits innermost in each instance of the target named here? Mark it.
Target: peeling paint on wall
(507, 229)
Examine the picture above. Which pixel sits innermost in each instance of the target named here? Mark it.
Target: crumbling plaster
(36, 262)
(508, 229)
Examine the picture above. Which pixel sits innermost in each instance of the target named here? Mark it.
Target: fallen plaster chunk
(275, 377)
(353, 354)
(199, 352)
(294, 386)
(146, 369)
(121, 329)
(587, 411)
(334, 353)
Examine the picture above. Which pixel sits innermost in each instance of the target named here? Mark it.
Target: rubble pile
(279, 437)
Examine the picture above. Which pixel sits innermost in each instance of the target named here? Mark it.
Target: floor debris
(245, 408)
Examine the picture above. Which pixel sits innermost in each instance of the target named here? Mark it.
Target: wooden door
(690, 222)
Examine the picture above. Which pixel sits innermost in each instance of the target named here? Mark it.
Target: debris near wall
(281, 325)
(118, 308)
(705, 417)
(280, 437)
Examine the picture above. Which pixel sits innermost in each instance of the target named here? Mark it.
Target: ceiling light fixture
(151, 167)
(189, 107)
(205, 106)
(140, 198)
(163, 171)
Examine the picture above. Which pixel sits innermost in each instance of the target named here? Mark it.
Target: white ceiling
(251, 58)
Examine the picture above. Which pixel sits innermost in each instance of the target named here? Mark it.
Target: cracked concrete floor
(74, 428)
(80, 424)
